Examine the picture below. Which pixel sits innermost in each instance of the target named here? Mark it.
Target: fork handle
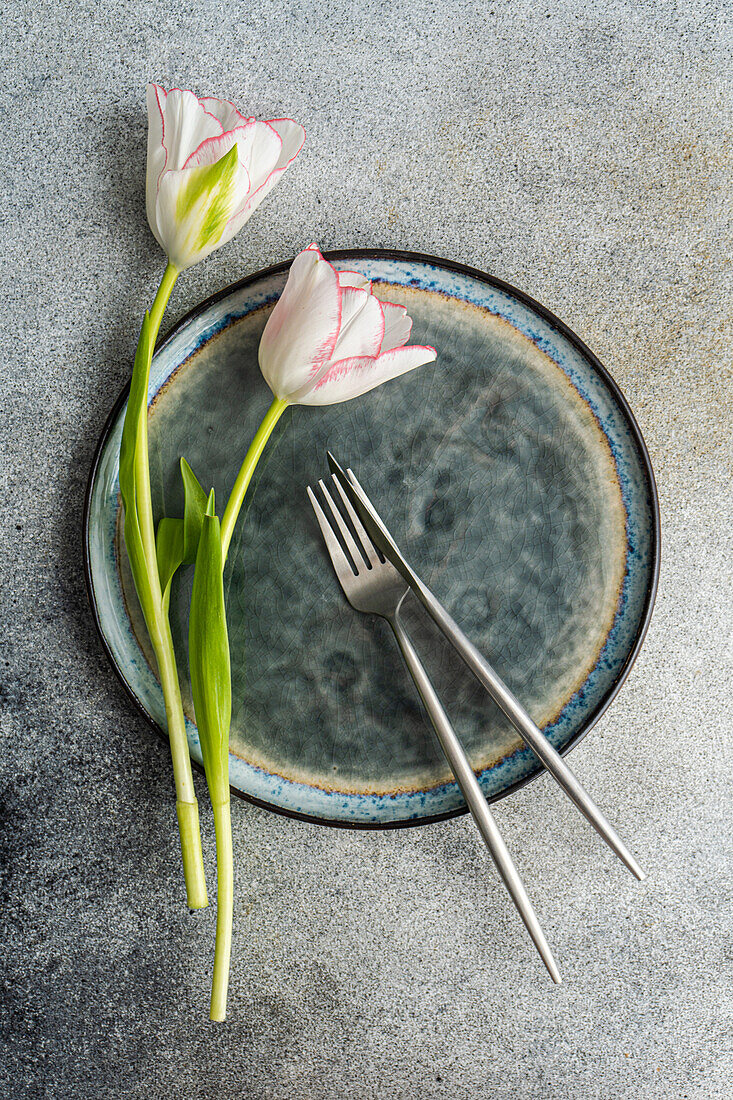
(531, 734)
(474, 796)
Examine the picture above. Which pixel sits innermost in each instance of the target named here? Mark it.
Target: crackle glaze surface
(508, 472)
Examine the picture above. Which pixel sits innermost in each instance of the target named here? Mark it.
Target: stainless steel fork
(375, 587)
(530, 733)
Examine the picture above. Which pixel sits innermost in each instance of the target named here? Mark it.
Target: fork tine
(351, 543)
(342, 565)
(378, 533)
(366, 543)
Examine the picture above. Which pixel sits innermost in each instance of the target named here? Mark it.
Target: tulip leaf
(208, 651)
(193, 513)
(177, 540)
(169, 552)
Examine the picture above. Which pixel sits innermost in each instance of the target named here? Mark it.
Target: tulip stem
(224, 909)
(160, 633)
(234, 504)
(142, 460)
(219, 789)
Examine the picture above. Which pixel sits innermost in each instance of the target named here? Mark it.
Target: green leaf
(177, 540)
(208, 651)
(137, 407)
(169, 552)
(193, 514)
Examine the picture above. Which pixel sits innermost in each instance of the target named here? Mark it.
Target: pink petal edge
(346, 366)
(200, 102)
(229, 103)
(157, 88)
(363, 284)
(302, 140)
(217, 137)
(275, 171)
(314, 248)
(403, 311)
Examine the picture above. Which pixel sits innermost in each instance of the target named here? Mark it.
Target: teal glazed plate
(512, 474)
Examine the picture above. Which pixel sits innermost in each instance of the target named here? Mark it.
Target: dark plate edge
(578, 344)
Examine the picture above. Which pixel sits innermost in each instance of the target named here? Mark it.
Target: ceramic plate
(511, 472)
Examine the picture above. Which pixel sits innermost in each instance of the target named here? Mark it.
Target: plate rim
(563, 329)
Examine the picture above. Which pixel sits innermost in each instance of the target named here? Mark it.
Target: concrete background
(581, 151)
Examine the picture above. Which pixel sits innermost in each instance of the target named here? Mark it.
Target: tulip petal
(397, 327)
(354, 278)
(214, 148)
(262, 152)
(225, 112)
(211, 151)
(194, 206)
(292, 136)
(156, 97)
(354, 377)
(259, 148)
(362, 325)
(185, 125)
(302, 329)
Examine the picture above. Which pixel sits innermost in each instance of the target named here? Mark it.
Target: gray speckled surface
(581, 151)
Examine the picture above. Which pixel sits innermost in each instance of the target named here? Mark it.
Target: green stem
(273, 414)
(187, 807)
(142, 461)
(224, 909)
(220, 798)
(162, 641)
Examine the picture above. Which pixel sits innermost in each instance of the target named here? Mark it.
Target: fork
(374, 586)
(530, 733)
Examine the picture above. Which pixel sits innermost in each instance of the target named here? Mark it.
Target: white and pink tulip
(329, 338)
(209, 168)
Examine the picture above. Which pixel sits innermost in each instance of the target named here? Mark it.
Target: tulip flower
(209, 168)
(328, 339)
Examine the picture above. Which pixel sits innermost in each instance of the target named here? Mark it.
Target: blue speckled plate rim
(563, 330)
